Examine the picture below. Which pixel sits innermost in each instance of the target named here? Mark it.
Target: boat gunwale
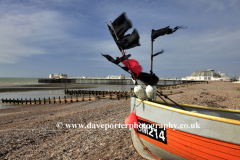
(201, 107)
(200, 115)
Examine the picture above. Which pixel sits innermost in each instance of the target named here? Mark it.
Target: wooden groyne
(81, 95)
(159, 87)
(88, 95)
(91, 92)
(100, 94)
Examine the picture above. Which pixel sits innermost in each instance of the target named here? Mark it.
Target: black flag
(129, 41)
(117, 60)
(163, 31)
(157, 53)
(112, 33)
(114, 37)
(150, 79)
(121, 25)
(125, 69)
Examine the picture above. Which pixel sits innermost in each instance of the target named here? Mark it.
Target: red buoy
(131, 121)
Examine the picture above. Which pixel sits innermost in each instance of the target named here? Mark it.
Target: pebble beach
(39, 132)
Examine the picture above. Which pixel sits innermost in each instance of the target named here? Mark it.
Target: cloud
(25, 33)
(20, 35)
(74, 32)
(184, 50)
(210, 49)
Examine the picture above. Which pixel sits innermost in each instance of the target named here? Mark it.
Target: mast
(151, 71)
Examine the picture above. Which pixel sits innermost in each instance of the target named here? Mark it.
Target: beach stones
(140, 92)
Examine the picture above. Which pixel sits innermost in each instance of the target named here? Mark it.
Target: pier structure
(104, 81)
(127, 81)
(86, 80)
(110, 79)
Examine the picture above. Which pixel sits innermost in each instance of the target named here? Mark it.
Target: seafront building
(122, 76)
(208, 75)
(58, 75)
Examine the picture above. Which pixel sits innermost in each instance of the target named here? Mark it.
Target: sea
(21, 82)
(17, 81)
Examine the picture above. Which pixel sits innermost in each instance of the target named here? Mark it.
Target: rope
(140, 102)
(137, 104)
(133, 106)
(145, 147)
(169, 99)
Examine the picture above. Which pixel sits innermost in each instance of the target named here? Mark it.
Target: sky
(41, 37)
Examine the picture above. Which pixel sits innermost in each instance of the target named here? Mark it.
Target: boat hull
(205, 137)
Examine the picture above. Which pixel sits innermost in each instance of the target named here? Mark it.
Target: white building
(122, 76)
(56, 76)
(208, 75)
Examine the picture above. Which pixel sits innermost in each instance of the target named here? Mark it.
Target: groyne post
(118, 96)
(76, 98)
(59, 99)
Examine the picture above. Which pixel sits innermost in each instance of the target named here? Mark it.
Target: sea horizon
(9, 81)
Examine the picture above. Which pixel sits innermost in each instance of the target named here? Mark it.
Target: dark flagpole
(151, 58)
(119, 66)
(123, 53)
(159, 93)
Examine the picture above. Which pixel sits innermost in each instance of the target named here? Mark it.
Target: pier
(127, 81)
(86, 80)
(56, 80)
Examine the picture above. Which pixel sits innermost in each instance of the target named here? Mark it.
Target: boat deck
(218, 112)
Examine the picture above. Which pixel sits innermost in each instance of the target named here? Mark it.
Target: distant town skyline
(39, 38)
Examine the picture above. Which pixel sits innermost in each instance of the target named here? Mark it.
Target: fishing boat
(169, 132)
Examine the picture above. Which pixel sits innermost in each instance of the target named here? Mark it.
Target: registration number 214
(152, 131)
